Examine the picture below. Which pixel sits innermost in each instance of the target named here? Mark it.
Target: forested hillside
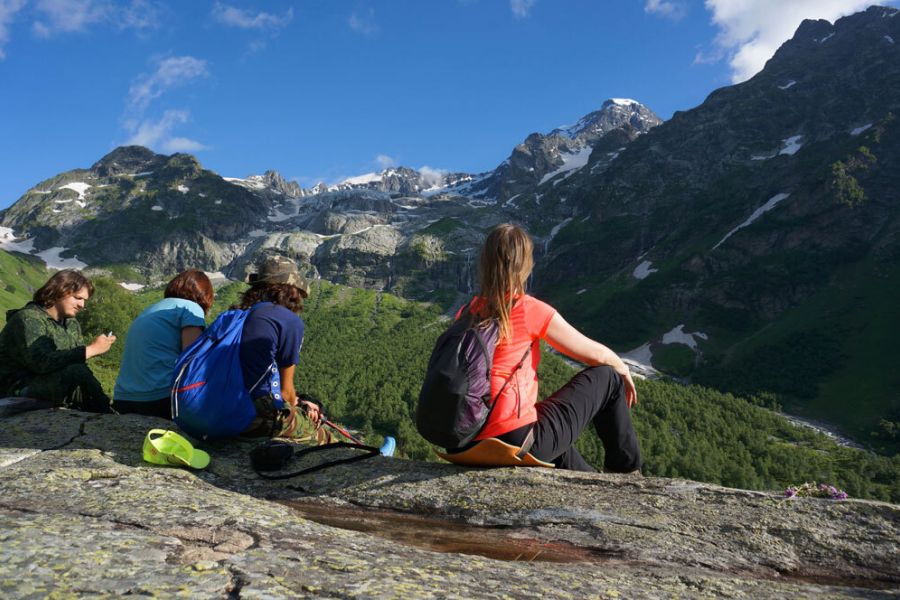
(20, 275)
(365, 352)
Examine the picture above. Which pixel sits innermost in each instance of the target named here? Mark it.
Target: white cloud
(521, 8)
(158, 134)
(430, 177)
(171, 72)
(246, 19)
(69, 16)
(665, 8)
(8, 10)
(364, 23)
(751, 32)
(384, 161)
(140, 15)
(182, 144)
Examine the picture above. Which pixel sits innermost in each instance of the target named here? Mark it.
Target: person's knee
(602, 374)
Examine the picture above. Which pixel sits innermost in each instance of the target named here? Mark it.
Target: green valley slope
(20, 275)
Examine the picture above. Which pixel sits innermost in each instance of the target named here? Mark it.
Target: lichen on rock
(81, 513)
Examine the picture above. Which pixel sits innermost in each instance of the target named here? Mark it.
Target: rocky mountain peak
(273, 180)
(614, 113)
(561, 152)
(127, 159)
(180, 166)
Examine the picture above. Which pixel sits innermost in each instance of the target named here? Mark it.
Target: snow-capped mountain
(548, 159)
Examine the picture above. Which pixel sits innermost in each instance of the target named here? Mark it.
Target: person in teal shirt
(156, 339)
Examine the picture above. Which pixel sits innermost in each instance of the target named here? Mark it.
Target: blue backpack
(209, 398)
(455, 401)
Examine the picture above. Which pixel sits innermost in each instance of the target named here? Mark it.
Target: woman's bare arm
(574, 344)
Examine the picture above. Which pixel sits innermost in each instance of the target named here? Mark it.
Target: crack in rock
(237, 581)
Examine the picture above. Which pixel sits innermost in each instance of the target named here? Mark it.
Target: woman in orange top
(601, 394)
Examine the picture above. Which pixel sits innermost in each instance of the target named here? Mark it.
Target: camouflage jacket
(32, 344)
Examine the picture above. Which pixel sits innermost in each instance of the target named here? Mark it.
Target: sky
(322, 90)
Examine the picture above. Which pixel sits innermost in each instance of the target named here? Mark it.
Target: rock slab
(81, 514)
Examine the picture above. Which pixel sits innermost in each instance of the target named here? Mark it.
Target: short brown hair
(283, 294)
(63, 283)
(192, 285)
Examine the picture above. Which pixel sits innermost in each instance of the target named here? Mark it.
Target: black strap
(487, 419)
(511, 375)
(370, 452)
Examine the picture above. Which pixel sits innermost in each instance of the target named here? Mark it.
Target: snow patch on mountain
(826, 38)
(254, 181)
(132, 287)
(859, 130)
(571, 162)
(791, 145)
(362, 179)
(156, 207)
(641, 355)
(52, 257)
(788, 85)
(183, 189)
(643, 270)
(678, 336)
(465, 186)
(769, 205)
(288, 210)
(554, 231)
(78, 186)
(11, 243)
(511, 200)
(889, 38)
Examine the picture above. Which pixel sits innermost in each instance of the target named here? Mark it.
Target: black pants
(594, 396)
(154, 408)
(73, 387)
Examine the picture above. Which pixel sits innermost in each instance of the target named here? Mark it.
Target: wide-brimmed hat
(279, 269)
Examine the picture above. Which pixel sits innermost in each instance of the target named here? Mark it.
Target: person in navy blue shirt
(273, 334)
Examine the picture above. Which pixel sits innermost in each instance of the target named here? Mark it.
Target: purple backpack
(455, 401)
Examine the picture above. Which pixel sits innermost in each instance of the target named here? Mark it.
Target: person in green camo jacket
(42, 354)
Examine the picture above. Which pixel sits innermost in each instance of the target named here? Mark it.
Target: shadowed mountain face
(752, 242)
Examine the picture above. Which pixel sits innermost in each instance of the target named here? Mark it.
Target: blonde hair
(503, 269)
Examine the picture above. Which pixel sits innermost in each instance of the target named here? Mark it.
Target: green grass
(122, 272)
(442, 227)
(20, 275)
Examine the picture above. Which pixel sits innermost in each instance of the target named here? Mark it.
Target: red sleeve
(472, 305)
(537, 317)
